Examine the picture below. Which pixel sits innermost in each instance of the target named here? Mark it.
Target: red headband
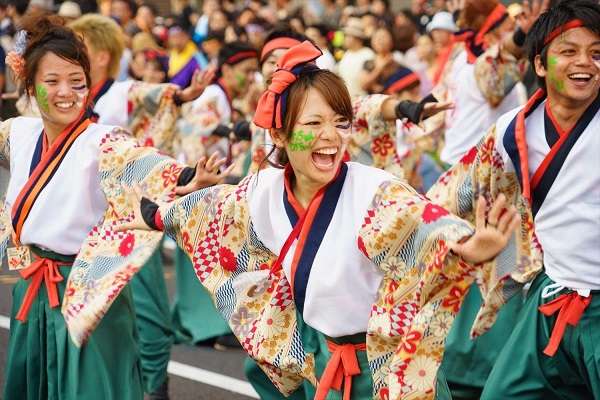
(239, 57)
(576, 23)
(402, 83)
(269, 111)
(278, 43)
(498, 13)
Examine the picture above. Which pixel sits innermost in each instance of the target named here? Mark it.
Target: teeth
(580, 76)
(64, 105)
(326, 151)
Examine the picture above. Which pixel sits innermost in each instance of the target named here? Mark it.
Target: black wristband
(186, 176)
(409, 110)
(430, 98)
(149, 210)
(176, 99)
(519, 37)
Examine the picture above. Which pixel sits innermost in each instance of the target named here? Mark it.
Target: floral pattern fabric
(481, 172)
(153, 114)
(403, 234)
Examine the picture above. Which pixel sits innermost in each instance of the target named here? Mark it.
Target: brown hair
(474, 13)
(48, 34)
(329, 85)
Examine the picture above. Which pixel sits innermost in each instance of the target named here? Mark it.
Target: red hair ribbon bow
(269, 112)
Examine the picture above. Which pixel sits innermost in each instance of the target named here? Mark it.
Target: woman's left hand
(207, 174)
(491, 235)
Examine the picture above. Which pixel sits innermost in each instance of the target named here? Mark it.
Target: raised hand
(491, 235)
(207, 174)
(200, 80)
(531, 12)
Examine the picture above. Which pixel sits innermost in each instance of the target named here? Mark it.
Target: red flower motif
(433, 212)
(126, 246)
(259, 155)
(439, 256)
(487, 151)
(455, 297)
(470, 156)
(382, 145)
(186, 242)
(410, 342)
(171, 174)
(384, 393)
(227, 259)
(149, 142)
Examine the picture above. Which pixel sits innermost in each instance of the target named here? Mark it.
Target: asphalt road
(195, 372)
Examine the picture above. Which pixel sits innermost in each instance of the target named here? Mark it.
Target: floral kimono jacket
(100, 158)
(371, 257)
(540, 172)
(147, 110)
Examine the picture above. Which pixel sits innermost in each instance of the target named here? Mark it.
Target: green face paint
(40, 93)
(301, 141)
(241, 81)
(559, 85)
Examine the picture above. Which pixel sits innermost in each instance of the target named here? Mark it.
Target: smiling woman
(63, 174)
(356, 252)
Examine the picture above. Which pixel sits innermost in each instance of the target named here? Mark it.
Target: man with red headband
(544, 158)
(481, 78)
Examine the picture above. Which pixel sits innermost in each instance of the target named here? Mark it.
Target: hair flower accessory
(14, 58)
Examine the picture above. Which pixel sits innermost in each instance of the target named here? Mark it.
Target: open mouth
(581, 78)
(64, 106)
(324, 158)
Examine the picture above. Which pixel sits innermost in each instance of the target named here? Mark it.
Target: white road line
(193, 373)
(212, 378)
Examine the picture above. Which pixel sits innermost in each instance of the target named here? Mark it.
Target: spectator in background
(219, 19)
(381, 9)
(331, 15)
(235, 33)
(212, 44)
(355, 56)
(428, 57)
(318, 34)
(40, 6)
(376, 71)
(201, 28)
(442, 28)
(69, 10)
(420, 14)
(184, 57)
(124, 11)
(189, 16)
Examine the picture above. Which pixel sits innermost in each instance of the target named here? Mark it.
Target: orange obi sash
(570, 307)
(42, 269)
(342, 366)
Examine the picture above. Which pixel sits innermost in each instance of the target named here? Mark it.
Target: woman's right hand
(135, 193)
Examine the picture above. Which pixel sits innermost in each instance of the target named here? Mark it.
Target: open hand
(134, 194)
(207, 174)
(491, 235)
(200, 80)
(531, 11)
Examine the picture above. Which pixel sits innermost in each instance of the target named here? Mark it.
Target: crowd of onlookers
(370, 46)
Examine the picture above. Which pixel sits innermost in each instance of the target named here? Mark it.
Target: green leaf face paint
(240, 79)
(559, 85)
(40, 93)
(301, 141)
